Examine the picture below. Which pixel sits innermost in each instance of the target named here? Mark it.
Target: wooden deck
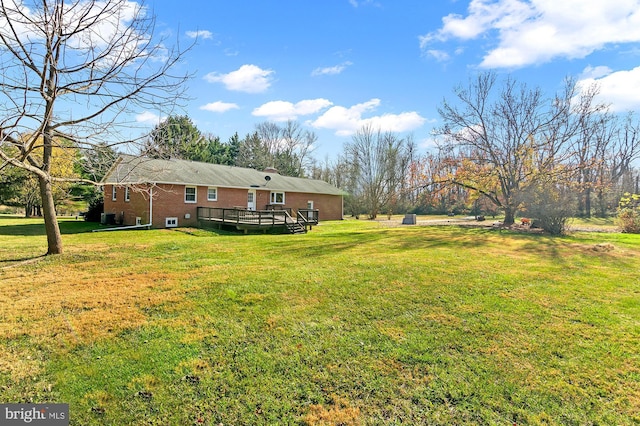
(261, 220)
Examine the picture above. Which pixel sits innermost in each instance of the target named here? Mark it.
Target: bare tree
(617, 158)
(288, 148)
(297, 146)
(505, 138)
(72, 71)
(378, 165)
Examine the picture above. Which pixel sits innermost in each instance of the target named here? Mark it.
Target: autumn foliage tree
(506, 138)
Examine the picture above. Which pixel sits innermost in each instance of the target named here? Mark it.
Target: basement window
(171, 222)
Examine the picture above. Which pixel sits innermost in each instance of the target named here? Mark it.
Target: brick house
(167, 193)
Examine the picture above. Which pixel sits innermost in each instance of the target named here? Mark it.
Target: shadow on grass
(468, 241)
(9, 263)
(35, 226)
(386, 240)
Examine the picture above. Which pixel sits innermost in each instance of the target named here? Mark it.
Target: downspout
(145, 226)
(150, 205)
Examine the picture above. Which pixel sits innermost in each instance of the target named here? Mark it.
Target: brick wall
(329, 206)
(169, 201)
(126, 212)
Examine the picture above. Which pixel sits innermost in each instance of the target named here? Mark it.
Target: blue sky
(335, 65)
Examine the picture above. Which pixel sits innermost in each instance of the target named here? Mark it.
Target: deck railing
(248, 219)
(310, 216)
(242, 216)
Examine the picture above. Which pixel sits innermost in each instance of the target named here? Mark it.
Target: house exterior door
(310, 207)
(251, 199)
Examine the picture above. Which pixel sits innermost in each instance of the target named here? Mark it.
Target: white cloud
(620, 89)
(203, 34)
(149, 118)
(438, 55)
(347, 121)
(248, 78)
(219, 106)
(595, 72)
(356, 3)
(331, 70)
(283, 111)
(537, 31)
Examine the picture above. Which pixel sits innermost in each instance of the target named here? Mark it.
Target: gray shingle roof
(130, 170)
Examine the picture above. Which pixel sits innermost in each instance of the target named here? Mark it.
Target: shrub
(94, 211)
(629, 213)
(551, 206)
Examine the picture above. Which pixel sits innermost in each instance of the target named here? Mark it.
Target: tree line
(503, 148)
(287, 147)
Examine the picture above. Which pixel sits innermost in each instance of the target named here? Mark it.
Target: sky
(336, 65)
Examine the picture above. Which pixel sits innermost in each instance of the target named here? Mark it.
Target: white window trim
(272, 197)
(195, 193)
(114, 193)
(127, 193)
(208, 193)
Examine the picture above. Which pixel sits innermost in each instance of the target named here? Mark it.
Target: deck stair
(295, 227)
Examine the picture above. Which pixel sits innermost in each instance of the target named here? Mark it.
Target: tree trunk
(54, 239)
(601, 204)
(509, 216)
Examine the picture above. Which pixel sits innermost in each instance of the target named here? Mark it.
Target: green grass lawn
(353, 323)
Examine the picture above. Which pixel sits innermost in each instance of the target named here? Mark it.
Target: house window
(190, 194)
(212, 194)
(171, 222)
(113, 193)
(127, 195)
(277, 198)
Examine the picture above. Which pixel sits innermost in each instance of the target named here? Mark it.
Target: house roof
(130, 170)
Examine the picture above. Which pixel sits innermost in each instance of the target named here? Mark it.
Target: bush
(629, 213)
(95, 209)
(551, 206)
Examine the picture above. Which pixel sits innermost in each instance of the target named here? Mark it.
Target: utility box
(409, 219)
(110, 218)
